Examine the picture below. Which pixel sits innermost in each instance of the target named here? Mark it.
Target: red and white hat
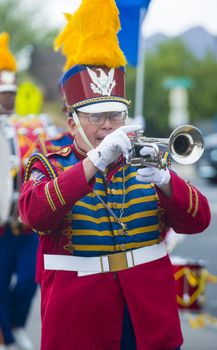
(92, 89)
(95, 77)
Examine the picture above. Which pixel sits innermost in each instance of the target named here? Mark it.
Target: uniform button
(120, 232)
(109, 204)
(114, 205)
(113, 191)
(65, 150)
(123, 247)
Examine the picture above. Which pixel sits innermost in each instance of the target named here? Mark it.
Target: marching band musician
(107, 280)
(17, 246)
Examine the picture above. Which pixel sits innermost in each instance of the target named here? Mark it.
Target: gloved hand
(112, 146)
(159, 177)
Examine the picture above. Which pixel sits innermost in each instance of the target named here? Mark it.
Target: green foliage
(173, 60)
(25, 26)
(203, 95)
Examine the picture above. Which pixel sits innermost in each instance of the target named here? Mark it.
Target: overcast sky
(168, 16)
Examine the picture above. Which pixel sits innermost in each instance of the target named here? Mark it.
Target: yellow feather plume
(90, 35)
(7, 60)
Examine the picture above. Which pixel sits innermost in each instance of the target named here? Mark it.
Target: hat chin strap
(81, 131)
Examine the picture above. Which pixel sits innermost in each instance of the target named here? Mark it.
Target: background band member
(18, 245)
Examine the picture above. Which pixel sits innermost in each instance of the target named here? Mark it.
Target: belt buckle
(117, 262)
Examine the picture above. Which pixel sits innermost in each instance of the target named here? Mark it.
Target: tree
(203, 95)
(172, 59)
(25, 26)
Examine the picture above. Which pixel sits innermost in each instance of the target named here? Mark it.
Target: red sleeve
(187, 211)
(43, 204)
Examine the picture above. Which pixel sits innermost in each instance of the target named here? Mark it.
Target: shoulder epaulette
(63, 151)
(45, 161)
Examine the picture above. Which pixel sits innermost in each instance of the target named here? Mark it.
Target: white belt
(105, 263)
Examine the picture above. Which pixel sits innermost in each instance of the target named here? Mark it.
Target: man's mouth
(99, 139)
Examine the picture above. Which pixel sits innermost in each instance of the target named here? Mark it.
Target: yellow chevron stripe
(100, 193)
(59, 194)
(143, 229)
(91, 233)
(145, 199)
(96, 233)
(140, 215)
(118, 179)
(99, 180)
(103, 219)
(137, 187)
(127, 177)
(119, 205)
(89, 206)
(131, 188)
(49, 199)
(128, 190)
(112, 248)
(82, 217)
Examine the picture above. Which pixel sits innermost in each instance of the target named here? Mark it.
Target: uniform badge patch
(36, 176)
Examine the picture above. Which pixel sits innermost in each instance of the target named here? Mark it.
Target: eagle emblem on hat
(102, 83)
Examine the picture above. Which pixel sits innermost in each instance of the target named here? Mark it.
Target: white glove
(112, 146)
(159, 177)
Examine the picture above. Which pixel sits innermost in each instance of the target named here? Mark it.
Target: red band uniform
(101, 229)
(55, 205)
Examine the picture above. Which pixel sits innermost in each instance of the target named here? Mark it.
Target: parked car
(207, 165)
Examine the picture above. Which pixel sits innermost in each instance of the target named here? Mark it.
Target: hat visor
(8, 88)
(101, 107)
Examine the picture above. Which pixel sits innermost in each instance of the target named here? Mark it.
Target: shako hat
(94, 78)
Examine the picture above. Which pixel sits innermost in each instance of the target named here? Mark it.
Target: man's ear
(71, 125)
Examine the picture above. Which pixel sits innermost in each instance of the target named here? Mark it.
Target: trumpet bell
(186, 144)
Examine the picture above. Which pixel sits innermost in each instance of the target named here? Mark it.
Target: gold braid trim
(98, 99)
(196, 203)
(39, 157)
(59, 194)
(49, 199)
(190, 199)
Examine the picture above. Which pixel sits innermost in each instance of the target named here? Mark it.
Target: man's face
(7, 101)
(96, 126)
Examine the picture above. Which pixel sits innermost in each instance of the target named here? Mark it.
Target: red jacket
(92, 306)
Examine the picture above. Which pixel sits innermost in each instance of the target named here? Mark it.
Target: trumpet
(185, 145)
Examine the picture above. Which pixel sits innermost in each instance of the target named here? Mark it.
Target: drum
(18, 137)
(191, 279)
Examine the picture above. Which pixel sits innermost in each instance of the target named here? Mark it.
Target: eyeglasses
(99, 118)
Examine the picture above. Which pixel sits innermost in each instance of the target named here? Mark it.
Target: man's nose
(107, 122)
